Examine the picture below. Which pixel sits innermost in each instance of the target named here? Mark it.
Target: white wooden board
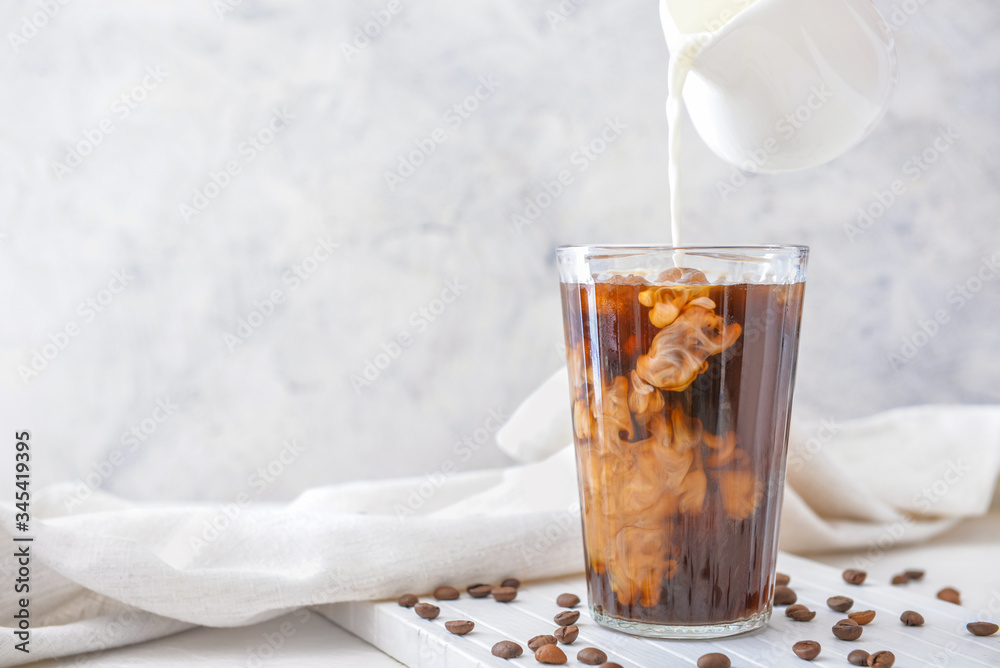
(943, 642)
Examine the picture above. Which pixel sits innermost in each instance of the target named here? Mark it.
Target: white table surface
(316, 642)
(964, 558)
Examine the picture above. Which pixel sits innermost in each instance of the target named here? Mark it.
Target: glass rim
(614, 249)
(770, 264)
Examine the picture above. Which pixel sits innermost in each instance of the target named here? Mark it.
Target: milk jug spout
(781, 84)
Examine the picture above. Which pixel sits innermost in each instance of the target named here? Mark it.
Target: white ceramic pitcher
(778, 85)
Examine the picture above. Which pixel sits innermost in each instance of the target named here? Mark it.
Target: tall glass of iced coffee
(682, 362)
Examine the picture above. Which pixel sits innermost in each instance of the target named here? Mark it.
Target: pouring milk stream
(774, 85)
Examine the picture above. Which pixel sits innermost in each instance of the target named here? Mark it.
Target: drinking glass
(681, 364)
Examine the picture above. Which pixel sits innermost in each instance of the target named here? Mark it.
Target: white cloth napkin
(112, 573)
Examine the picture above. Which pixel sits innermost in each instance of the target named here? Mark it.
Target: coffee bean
(854, 577)
(982, 628)
(480, 590)
(426, 610)
(862, 616)
(858, 657)
(591, 656)
(568, 600)
(911, 618)
(504, 594)
(506, 649)
(511, 582)
(566, 634)
(538, 641)
(550, 654)
(881, 659)
(610, 664)
(408, 600)
(784, 595)
(446, 593)
(714, 660)
(459, 626)
(900, 579)
(914, 574)
(799, 613)
(781, 579)
(806, 649)
(567, 617)
(840, 603)
(847, 629)
(951, 595)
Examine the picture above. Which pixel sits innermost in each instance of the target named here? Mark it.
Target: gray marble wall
(201, 254)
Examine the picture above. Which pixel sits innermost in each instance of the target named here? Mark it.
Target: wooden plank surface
(942, 642)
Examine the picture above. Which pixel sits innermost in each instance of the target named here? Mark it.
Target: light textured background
(162, 337)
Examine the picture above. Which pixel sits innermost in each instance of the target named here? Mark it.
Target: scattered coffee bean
(900, 579)
(982, 628)
(781, 579)
(610, 664)
(854, 576)
(882, 659)
(862, 616)
(506, 649)
(951, 595)
(550, 654)
(504, 594)
(911, 618)
(591, 656)
(408, 600)
(480, 590)
(426, 610)
(568, 600)
(858, 657)
(914, 574)
(840, 603)
(459, 626)
(567, 617)
(806, 649)
(784, 595)
(446, 593)
(566, 634)
(538, 641)
(714, 660)
(799, 613)
(511, 582)
(847, 629)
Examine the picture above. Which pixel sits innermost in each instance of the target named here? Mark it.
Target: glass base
(682, 631)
